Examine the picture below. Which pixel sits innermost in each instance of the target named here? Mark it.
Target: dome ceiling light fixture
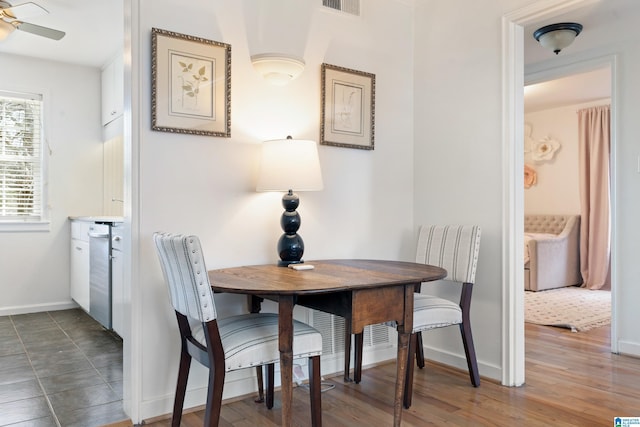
(557, 36)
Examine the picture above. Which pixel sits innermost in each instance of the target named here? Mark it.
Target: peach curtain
(594, 149)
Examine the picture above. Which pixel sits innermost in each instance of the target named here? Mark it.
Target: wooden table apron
(365, 292)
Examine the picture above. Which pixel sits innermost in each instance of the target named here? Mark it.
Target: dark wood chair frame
(416, 349)
(212, 356)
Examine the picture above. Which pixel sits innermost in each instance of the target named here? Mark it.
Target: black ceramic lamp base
(290, 244)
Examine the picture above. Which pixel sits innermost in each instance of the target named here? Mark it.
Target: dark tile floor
(59, 369)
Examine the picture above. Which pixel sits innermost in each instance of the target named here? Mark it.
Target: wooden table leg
(401, 368)
(347, 349)
(357, 368)
(255, 305)
(404, 335)
(285, 344)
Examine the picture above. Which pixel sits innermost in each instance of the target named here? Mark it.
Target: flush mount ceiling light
(276, 68)
(557, 36)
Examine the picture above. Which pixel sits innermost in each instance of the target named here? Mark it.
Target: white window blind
(348, 6)
(21, 169)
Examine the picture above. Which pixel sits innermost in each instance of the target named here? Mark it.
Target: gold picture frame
(348, 108)
(191, 84)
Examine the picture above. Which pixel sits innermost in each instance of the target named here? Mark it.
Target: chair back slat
(186, 275)
(452, 247)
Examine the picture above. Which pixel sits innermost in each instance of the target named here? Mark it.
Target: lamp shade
(289, 164)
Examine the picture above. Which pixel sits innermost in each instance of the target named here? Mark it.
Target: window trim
(14, 226)
(44, 222)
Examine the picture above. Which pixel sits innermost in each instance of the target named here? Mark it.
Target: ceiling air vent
(347, 6)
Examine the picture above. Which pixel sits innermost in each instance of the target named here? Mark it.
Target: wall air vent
(332, 329)
(347, 6)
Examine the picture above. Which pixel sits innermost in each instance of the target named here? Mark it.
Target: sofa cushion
(553, 224)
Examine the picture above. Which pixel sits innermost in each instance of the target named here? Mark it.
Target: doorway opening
(557, 264)
(514, 23)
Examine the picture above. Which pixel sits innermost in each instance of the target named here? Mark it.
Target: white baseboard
(37, 308)
(629, 348)
(195, 398)
(460, 361)
(380, 354)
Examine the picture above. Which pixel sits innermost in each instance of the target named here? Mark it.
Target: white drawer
(80, 230)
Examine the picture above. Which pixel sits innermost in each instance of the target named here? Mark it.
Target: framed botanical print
(348, 108)
(191, 84)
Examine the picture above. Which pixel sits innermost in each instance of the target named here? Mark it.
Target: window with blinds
(347, 6)
(21, 160)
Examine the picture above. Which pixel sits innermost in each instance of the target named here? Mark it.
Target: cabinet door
(80, 273)
(113, 176)
(112, 90)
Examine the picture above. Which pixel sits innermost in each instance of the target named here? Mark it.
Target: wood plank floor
(572, 379)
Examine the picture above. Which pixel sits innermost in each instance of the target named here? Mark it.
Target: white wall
(459, 158)
(557, 189)
(205, 185)
(458, 155)
(34, 272)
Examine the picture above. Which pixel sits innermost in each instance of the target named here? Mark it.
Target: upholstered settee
(551, 251)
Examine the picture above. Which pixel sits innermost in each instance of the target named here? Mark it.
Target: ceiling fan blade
(39, 31)
(24, 10)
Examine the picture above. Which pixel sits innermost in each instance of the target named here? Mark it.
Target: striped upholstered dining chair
(454, 248)
(228, 344)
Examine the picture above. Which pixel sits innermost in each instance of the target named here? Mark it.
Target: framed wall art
(191, 84)
(348, 108)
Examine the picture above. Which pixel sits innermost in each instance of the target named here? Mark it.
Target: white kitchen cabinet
(113, 176)
(112, 90)
(79, 277)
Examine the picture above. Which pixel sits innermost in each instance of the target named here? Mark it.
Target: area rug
(575, 308)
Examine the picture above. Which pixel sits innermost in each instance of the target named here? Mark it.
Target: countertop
(99, 219)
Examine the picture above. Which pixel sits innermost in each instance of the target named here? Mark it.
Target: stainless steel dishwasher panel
(100, 274)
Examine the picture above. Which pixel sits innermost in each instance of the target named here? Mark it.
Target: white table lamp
(288, 165)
